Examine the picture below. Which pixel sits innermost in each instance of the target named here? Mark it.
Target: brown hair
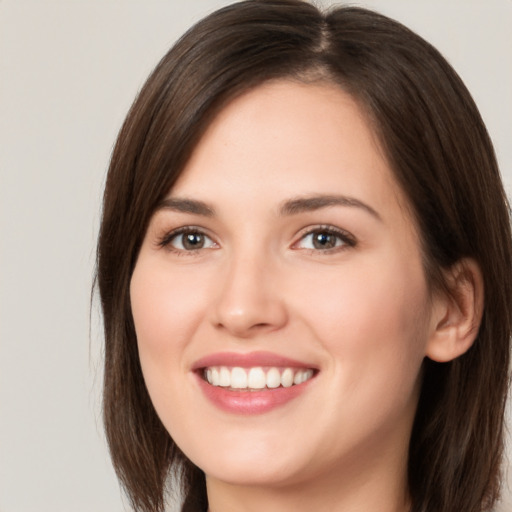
(443, 159)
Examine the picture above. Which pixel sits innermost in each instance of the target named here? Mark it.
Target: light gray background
(69, 71)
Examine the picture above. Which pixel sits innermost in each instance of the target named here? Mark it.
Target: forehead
(287, 138)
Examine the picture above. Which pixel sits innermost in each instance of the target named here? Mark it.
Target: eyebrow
(186, 206)
(308, 204)
(290, 207)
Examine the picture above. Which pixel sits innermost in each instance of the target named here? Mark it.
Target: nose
(250, 300)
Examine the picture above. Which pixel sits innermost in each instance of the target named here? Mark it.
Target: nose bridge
(249, 299)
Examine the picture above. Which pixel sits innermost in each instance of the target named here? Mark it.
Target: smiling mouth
(256, 378)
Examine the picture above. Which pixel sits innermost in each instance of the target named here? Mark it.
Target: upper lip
(249, 360)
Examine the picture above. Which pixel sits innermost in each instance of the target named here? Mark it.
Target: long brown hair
(441, 156)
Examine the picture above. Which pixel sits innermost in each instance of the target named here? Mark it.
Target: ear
(457, 312)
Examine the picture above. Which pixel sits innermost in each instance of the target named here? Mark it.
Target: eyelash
(168, 238)
(347, 240)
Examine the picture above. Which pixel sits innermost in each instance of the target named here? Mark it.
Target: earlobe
(457, 312)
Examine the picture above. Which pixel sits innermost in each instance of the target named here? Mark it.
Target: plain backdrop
(69, 71)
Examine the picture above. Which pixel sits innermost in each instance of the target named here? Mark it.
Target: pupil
(324, 241)
(193, 241)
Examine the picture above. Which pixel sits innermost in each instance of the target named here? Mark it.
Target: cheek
(166, 308)
(373, 321)
(164, 315)
(372, 324)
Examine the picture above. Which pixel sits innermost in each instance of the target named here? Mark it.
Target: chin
(249, 460)
(256, 473)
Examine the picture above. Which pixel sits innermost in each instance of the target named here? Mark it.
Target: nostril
(260, 325)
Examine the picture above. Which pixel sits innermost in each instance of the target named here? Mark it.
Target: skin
(360, 312)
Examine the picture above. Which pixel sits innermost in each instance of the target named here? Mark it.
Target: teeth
(273, 378)
(224, 377)
(302, 376)
(287, 378)
(256, 378)
(238, 378)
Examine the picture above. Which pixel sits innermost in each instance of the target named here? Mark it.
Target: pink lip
(249, 402)
(248, 360)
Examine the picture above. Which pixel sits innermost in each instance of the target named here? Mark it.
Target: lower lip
(251, 402)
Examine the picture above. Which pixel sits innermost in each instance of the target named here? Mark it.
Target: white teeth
(273, 378)
(302, 376)
(307, 375)
(256, 378)
(224, 377)
(238, 378)
(287, 378)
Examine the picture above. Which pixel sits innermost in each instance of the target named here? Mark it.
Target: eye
(325, 239)
(187, 239)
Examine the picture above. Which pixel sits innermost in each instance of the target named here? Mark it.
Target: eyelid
(346, 237)
(165, 241)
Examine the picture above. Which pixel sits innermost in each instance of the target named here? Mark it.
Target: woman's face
(284, 268)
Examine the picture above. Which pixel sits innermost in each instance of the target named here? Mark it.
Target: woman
(304, 267)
